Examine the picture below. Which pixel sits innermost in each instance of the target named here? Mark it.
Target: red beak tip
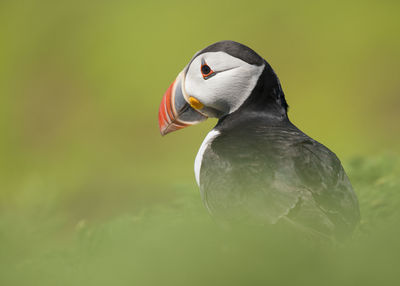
(168, 120)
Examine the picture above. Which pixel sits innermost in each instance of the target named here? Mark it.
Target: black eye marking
(206, 71)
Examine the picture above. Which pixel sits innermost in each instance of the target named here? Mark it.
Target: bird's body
(255, 165)
(267, 172)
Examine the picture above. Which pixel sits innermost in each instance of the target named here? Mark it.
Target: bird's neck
(267, 100)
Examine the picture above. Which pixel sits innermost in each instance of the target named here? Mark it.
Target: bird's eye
(206, 71)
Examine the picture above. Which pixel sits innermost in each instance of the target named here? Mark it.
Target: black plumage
(262, 167)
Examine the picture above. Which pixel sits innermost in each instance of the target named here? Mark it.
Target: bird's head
(218, 81)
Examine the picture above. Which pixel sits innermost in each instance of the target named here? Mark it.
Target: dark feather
(266, 170)
(263, 168)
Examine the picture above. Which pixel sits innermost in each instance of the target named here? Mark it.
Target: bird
(255, 164)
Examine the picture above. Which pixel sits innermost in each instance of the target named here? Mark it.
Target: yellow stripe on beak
(195, 103)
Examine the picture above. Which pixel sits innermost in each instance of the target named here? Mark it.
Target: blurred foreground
(177, 243)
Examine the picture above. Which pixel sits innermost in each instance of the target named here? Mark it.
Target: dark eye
(206, 71)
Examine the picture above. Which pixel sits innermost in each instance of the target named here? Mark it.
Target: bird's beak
(175, 112)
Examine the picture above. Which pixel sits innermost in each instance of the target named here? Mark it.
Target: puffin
(255, 165)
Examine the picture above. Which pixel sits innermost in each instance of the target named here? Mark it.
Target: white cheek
(241, 86)
(227, 90)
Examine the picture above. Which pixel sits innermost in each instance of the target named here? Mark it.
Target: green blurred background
(81, 81)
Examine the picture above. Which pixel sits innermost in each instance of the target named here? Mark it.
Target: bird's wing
(283, 174)
(321, 173)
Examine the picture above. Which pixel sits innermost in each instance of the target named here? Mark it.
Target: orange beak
(174, 112)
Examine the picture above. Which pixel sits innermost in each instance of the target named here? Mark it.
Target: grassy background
(90, 194)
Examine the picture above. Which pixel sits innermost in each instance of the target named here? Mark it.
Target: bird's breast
(199, 157)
